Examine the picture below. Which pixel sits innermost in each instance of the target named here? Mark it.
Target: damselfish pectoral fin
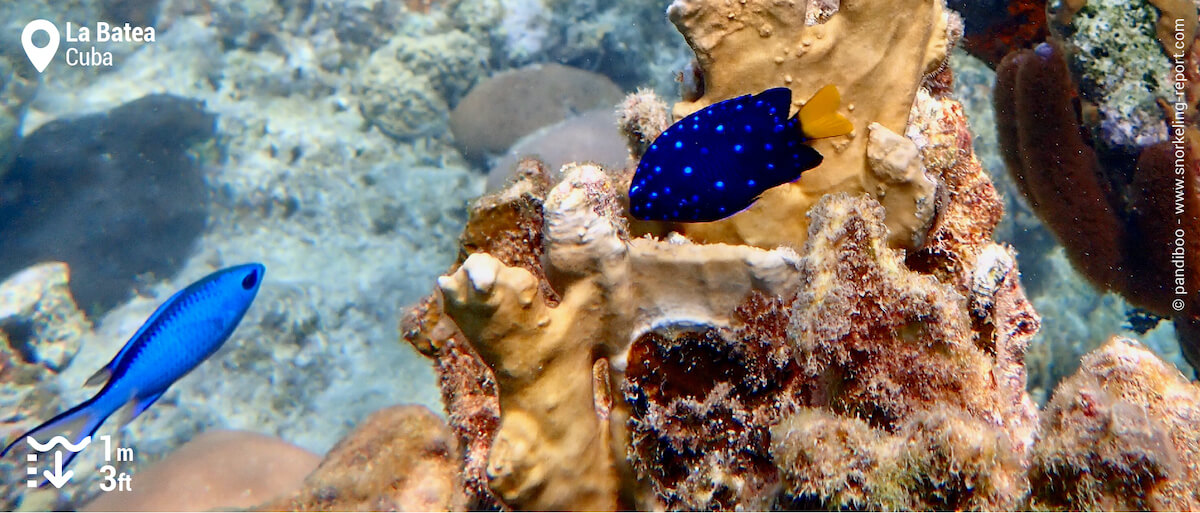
(819, 117)
(133, 408)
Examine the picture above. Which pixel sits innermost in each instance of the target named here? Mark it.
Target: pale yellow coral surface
(747, 46)
(558, 446)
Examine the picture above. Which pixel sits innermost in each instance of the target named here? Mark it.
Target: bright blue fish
(718, 160)
(184, 331)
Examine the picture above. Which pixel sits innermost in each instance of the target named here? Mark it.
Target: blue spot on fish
(704, 161)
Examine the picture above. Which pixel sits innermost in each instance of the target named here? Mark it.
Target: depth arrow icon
(58, 478)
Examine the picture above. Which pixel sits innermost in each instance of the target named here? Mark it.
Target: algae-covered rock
(1113, 49)
(123, 200)
(402, 458)
(399, 102)
(406, 87)
(1120, 434)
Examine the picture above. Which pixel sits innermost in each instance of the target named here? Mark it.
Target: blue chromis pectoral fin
(819, 118)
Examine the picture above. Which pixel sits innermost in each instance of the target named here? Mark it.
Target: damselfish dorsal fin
(819, 118)
(105, 373)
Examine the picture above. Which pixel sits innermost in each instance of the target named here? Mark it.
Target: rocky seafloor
(344, 144)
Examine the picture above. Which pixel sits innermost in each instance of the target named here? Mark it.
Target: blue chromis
(184, 331)
(717, 161)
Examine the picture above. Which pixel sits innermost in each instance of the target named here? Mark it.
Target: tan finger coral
(554, 447)
(878, 64)
(588, 369)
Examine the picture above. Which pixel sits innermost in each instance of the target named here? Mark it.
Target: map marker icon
(40, 57)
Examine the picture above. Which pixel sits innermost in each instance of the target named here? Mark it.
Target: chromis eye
(250, 279)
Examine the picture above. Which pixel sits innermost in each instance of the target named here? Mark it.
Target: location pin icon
(40, 57)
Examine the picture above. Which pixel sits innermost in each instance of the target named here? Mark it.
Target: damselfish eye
(250, 280)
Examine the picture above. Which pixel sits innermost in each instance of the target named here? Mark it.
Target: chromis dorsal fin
(819, 118)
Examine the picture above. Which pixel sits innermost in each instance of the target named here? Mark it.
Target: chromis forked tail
(184, 331)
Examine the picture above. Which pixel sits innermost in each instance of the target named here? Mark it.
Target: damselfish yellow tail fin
(819, 117)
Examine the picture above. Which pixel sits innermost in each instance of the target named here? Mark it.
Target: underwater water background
(338, 143)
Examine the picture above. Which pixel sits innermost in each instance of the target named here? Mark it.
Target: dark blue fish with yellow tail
(717, 161)
(183, 332)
